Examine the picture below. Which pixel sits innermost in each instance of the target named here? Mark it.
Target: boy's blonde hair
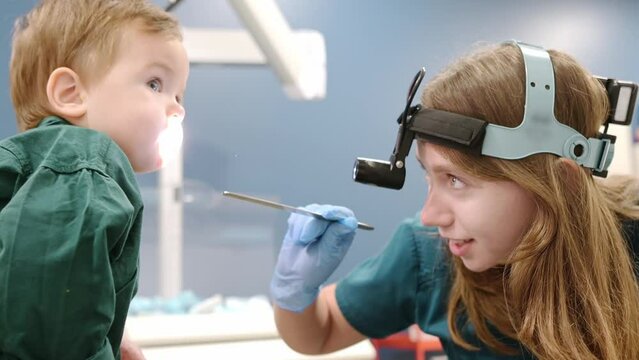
(569, 291)
(82, 35)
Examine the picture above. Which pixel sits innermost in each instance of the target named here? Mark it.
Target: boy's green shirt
(70, 220)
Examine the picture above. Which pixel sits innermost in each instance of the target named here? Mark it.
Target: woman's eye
(155, 85)
(455, 182)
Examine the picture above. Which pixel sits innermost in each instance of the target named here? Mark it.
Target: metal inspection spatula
(284, 207)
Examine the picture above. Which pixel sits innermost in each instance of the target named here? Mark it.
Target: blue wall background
(243, 134)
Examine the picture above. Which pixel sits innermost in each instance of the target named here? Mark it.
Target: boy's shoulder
(64, 148)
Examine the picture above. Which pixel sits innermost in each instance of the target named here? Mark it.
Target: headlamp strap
(540, 132)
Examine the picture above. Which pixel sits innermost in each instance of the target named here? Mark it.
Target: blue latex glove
(311, 250)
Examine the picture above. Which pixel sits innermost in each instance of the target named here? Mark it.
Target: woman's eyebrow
(439, 168)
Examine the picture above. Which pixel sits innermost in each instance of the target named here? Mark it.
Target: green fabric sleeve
(9, 174)
(59, 238)
(378, 297)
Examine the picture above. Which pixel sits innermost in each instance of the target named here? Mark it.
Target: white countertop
(222, 336)
(274, 349)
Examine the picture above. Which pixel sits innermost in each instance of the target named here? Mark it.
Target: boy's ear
(66, 94)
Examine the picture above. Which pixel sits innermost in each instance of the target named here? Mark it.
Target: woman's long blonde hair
(569, 290)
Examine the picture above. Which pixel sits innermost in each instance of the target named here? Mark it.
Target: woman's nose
(436, 212)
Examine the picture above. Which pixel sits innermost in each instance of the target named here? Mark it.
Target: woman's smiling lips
(459, 247)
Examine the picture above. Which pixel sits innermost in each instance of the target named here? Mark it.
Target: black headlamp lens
(379, 173)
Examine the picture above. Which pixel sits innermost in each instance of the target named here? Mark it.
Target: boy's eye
(155, 85)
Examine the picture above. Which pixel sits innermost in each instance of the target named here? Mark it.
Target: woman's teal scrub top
(408, 283)
(70, 218)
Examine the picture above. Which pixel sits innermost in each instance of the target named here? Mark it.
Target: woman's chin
(475, 266)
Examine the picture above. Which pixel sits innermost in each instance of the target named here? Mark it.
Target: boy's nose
(177, 110)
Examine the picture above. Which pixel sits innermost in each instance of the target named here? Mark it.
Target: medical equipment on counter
(288, 208)
(539, 131)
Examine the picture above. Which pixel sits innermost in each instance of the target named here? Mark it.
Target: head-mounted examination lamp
(539, 131)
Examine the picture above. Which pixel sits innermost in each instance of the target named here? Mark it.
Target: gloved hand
(311, 250)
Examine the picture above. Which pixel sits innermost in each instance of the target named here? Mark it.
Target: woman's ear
(66, 95)
(570, 171)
